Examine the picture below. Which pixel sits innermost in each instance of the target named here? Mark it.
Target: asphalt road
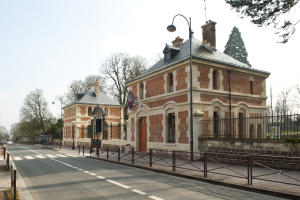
(52, 175)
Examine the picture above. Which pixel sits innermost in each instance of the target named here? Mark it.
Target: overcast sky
(47, 44)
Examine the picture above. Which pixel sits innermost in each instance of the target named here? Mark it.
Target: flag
(130, 100)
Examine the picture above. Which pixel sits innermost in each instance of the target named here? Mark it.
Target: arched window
(89, 111)
(170, 83)
(171, 128)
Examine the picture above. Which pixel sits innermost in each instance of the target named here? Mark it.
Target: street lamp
(91, 134)
(73, 146)
(61, 124)
(172, 28)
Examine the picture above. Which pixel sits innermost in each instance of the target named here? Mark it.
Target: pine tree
(235, 47)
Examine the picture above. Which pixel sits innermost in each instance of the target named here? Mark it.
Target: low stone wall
(225, 148)
(250, 146)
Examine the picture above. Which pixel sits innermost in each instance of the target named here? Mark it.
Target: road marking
(17, 158)
(119, 184)
(155, 198)
(70, 155)
(86, 171)
(39, 156)
(101, 177)
(93, 174)
(75, 167)
(138, 191)
(51, 156)
(80, 169)
(61, 155)
(29, 157)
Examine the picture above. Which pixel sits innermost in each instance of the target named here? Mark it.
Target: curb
(211, 181)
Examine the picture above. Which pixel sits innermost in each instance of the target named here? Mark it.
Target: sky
(48, 44)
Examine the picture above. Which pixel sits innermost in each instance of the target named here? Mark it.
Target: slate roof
(89, 97)
(199, 51)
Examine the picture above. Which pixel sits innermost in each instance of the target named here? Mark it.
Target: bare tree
(36, 107)
(285, 101)
(81, 86)
(156, 57)
(119, 68)
(3, 133)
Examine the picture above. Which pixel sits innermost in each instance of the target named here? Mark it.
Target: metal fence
(252, 126)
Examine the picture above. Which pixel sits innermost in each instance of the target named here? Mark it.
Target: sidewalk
(194, 170)
(5, 191)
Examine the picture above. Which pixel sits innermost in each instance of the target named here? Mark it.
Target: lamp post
(172, 28)
(61, 122)
(91, 134)
(73, 146)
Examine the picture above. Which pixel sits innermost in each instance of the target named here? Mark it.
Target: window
(106, 112)
(170, 82)
(251, 87)
(89, 111)
(216, 124)
(141, 90)
(215, 85)
(72, 111)
(171, 128)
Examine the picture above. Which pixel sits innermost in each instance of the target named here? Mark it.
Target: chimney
(89, 86)
(209, 33)
(97, 87)
(177, 42)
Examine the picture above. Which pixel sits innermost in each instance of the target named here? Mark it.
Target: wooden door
(240, 125)
(142, 134)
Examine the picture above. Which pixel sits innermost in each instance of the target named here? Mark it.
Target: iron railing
(252, 126)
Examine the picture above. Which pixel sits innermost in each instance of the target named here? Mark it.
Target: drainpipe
(229, 74)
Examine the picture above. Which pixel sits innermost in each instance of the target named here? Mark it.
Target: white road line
(118, 184)
(70, 155)
(29, 157)
(51, 156)
(93, 174)
(80, 169)
(155, 198)
(138, 191)
(17, 158)
(59, 155)
(40, 156)
(75, 167)
(101, 177)
(86, 171)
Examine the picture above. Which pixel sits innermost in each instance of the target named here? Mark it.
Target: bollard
(132, 152)
(107, 153)
(205, 164)
(4, 148)
(119, 154)
(173, 161)
(150, 157)
(79, 149)
(83, 149)
(7, 161)
(98, 150)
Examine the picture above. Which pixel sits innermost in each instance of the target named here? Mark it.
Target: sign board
(98, 126)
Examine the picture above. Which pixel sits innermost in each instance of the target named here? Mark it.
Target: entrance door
(240, 125)
(142, 134)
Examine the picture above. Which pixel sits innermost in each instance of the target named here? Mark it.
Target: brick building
(163, 120)
(77, 118)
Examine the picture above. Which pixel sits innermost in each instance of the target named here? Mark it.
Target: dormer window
(170, 52)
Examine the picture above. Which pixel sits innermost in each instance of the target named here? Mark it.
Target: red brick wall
(69, 132)
(204, 79)
(155, 86)
(240, 83)
(252, 102)
(183, 127)
(132, 129)
(234, 100)
(115, 112)
(161, 102)
(134, 91)
(180, 77)
(156, 128)
(83, 110)
(70, 112)
(113, 120)
(209, 97)
(206, 125)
